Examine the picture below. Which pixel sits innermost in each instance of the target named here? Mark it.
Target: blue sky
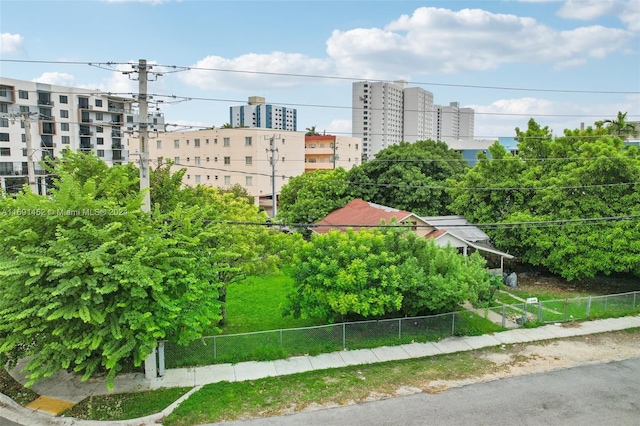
(558, 48)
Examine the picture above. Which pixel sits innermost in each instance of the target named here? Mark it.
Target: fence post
(280, 337)
(566, 304)
(453, 324)
(605, 303)
(215, 349)
(540, 311)
(161, 358)
(588, 306)
(504, 316)
(399, 328)
(635, 293)
(344, 336)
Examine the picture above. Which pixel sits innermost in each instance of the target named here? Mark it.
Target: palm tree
(226, 126)
(619, 126)
(311, 131)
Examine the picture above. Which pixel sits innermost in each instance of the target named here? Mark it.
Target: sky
(560, 62)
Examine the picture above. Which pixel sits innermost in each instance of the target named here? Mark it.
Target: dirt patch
(543, 280)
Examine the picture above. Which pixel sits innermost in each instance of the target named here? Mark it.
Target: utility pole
(272, 153)
(144, 133)
(31, 173)
(25, 117)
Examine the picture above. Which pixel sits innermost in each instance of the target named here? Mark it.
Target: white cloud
(588, 10)
(275, 62)
(502, 116)
(434, 40)
(11, 43)
(337, 126)
(56, 78)
(430, 41)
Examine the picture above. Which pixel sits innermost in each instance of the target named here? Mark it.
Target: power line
(325, 77)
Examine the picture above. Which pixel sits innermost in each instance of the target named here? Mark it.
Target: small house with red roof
(453, 231)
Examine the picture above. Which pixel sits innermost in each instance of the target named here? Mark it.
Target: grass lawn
(14, 390)
(125, 405)
(256, 304)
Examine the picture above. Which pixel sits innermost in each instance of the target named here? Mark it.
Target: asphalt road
(597, 394)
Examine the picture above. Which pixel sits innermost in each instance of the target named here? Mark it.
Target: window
(23, 138)
(66, 140)
(196, 143)
(159, 144)
(176, 143)
(187, 141)
(4, 108)
(129, 118)
(64, 127)
(5, 152)
(248, 141)
(248, 161)
(99, 116)
(4, 122)
(24, 152)
(227, 179)
(215, 141)
(64, 113)
(64, 99)
(101, 153)
(227, 161)
(100, 141)
(248, 180)
(98, 102)
(226, 142)
(176, 160)
(99, 129)
(198, 179)
(24, 108)
(4, 137)
(207, 141)
(23, 94)
(196, 161)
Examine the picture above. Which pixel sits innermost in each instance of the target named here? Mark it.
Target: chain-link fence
(279, 344)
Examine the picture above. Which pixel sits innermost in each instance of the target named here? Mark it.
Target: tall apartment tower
(257, 113)
(453, 123)
(60, 118)
(385, 114)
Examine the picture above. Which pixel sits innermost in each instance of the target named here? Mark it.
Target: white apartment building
(384, 114)
(377, 115)
(60, 118)
(225, 157)
(453, 123)
(257, 113)
(418, 114)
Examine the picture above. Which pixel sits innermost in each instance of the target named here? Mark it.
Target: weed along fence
(279, 344)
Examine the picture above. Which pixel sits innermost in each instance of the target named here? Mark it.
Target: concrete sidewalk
(68, 388)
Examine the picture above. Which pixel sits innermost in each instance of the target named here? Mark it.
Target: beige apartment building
(324, 152)
(225, 157)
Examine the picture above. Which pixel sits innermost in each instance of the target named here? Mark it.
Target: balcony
(116, 134)
(84, 147)
(46, 102)
(117, 156)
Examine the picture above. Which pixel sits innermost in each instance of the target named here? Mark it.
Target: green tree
(311, 131)
(581, 176)
(619, 126)
(309, 197)
(409, 176)
(226, 126)
(90, 284)
(380, 272)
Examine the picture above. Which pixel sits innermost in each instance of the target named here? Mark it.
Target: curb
(12, 411)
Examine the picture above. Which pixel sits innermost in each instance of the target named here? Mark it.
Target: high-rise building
(61, 118)
(453, 123)
(384, 114)
(257, 113)
(377, 115)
